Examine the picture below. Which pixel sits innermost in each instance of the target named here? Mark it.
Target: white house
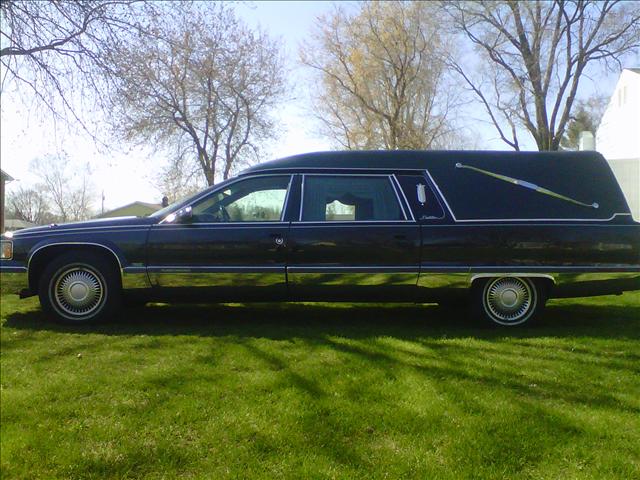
(618, 136)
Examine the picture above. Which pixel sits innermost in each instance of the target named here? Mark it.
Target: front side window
(259, 199)
(349, 198)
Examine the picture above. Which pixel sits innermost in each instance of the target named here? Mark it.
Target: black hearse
(500, 231)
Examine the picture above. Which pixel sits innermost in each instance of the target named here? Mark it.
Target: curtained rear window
(349, 198)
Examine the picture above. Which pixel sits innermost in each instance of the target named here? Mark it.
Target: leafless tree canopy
(206, 90)
(535, 53)
(68, 192)
(29, 204)
(179, 179)
(57, 52)
(382, 76)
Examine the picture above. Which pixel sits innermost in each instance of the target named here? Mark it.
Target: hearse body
(500, 231)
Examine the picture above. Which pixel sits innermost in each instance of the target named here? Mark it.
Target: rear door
(354, 239)
(447, 249)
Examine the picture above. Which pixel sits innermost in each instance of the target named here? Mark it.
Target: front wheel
(508, 301)
(80, 288)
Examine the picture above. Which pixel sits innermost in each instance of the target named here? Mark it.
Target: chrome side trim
(354, 223)
(522, 269)
(214, 269)
(229, 225)
(73, 243)
(536, 225)
(360, 269)
(529, 275)
(76, 231)
(546, 219)
(12, 269)
(566, 284)
(76, 243)
(476, 271)
(55, 229)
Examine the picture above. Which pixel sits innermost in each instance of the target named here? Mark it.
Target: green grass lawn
(322, 391)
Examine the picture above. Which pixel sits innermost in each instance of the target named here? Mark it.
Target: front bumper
(14, 280)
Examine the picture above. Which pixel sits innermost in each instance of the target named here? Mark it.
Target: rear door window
(349, 198)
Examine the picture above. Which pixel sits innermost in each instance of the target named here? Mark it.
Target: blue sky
(126, 177)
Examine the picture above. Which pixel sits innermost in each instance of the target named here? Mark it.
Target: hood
(95, 223)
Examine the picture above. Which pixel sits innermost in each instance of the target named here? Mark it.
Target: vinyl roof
(407, 159)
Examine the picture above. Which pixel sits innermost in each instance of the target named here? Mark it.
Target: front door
(233, 247)
(354, 239)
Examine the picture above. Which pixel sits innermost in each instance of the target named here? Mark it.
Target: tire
(79, 288)
(508, 301)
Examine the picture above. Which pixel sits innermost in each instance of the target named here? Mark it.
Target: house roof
(17, 224)
(150, 206)
(5, 176)
(634, 70)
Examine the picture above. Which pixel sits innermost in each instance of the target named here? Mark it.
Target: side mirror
(184, 215)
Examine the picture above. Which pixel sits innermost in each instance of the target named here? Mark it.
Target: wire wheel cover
(509, 299)
(78, 292)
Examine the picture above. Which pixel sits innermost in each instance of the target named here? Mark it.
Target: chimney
(587, 142)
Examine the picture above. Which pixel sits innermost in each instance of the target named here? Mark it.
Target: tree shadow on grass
(542, 382)
(281, 321)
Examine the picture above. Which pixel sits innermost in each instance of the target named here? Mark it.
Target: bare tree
(66, 188)
(207, 89)
(536, 53)
(30, 205)
(382, 76)
(179, 179)
(58, 51)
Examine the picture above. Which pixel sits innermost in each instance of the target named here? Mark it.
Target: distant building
(4, 177)
(618, 136)
(136, 209)
(13, 224)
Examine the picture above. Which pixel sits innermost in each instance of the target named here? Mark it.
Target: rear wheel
(80, 288)
(508, 301)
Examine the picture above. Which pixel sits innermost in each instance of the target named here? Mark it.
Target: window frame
(389, 176)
